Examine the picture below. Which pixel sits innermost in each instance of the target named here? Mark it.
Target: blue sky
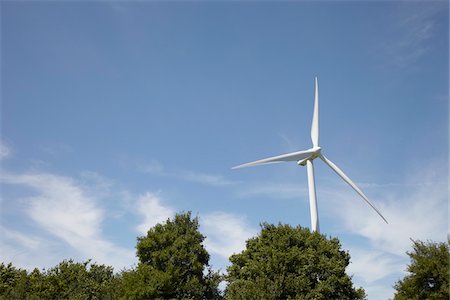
(117, 115)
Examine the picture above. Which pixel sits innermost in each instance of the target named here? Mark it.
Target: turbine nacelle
(315, 153)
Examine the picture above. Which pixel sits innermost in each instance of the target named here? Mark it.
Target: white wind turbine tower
(306, 157)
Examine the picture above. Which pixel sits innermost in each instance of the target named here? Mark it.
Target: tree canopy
(429, 272)
(67, 280)
(172, 263)
(283, 262)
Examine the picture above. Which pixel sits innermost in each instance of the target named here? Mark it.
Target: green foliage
(13, 282)
(68, 280)
(71, 280)
(429, 272)
(290, 263)
(172, 264)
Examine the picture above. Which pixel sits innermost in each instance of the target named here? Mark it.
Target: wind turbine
(306, 157)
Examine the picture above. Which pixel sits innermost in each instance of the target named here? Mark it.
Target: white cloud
(416, 209)
(379, 292)
(62, 208)
(225, 233)
(375, 270)
(150, 207)
(418, 213)
(69, 210)
(5, 151)
(29, 242)
(381, 264)
(26, 250)
(96, 185)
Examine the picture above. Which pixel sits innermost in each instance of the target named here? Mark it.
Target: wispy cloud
(156, 168)
(5, 151)
(226, 233)
(29, 242)
(380, 264)
(56, 149)
(203, 178)
(70, 219)
(288, 142)
(26, 250)
(153, 211)
(62, 208)
(95, 184)
(416, 25)
(150, 167)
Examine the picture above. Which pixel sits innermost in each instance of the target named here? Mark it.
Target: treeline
(282, 262)
(67, 280)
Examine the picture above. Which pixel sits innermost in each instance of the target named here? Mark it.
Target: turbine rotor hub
(313, 156)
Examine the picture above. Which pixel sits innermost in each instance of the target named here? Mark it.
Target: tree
(67, 280)
(283, 262)
(13, 282)
(71, 280)
(429, 272)
(172, 262)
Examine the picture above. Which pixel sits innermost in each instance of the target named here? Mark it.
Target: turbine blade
(350, 183)
(294, 156)
(315, 120)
